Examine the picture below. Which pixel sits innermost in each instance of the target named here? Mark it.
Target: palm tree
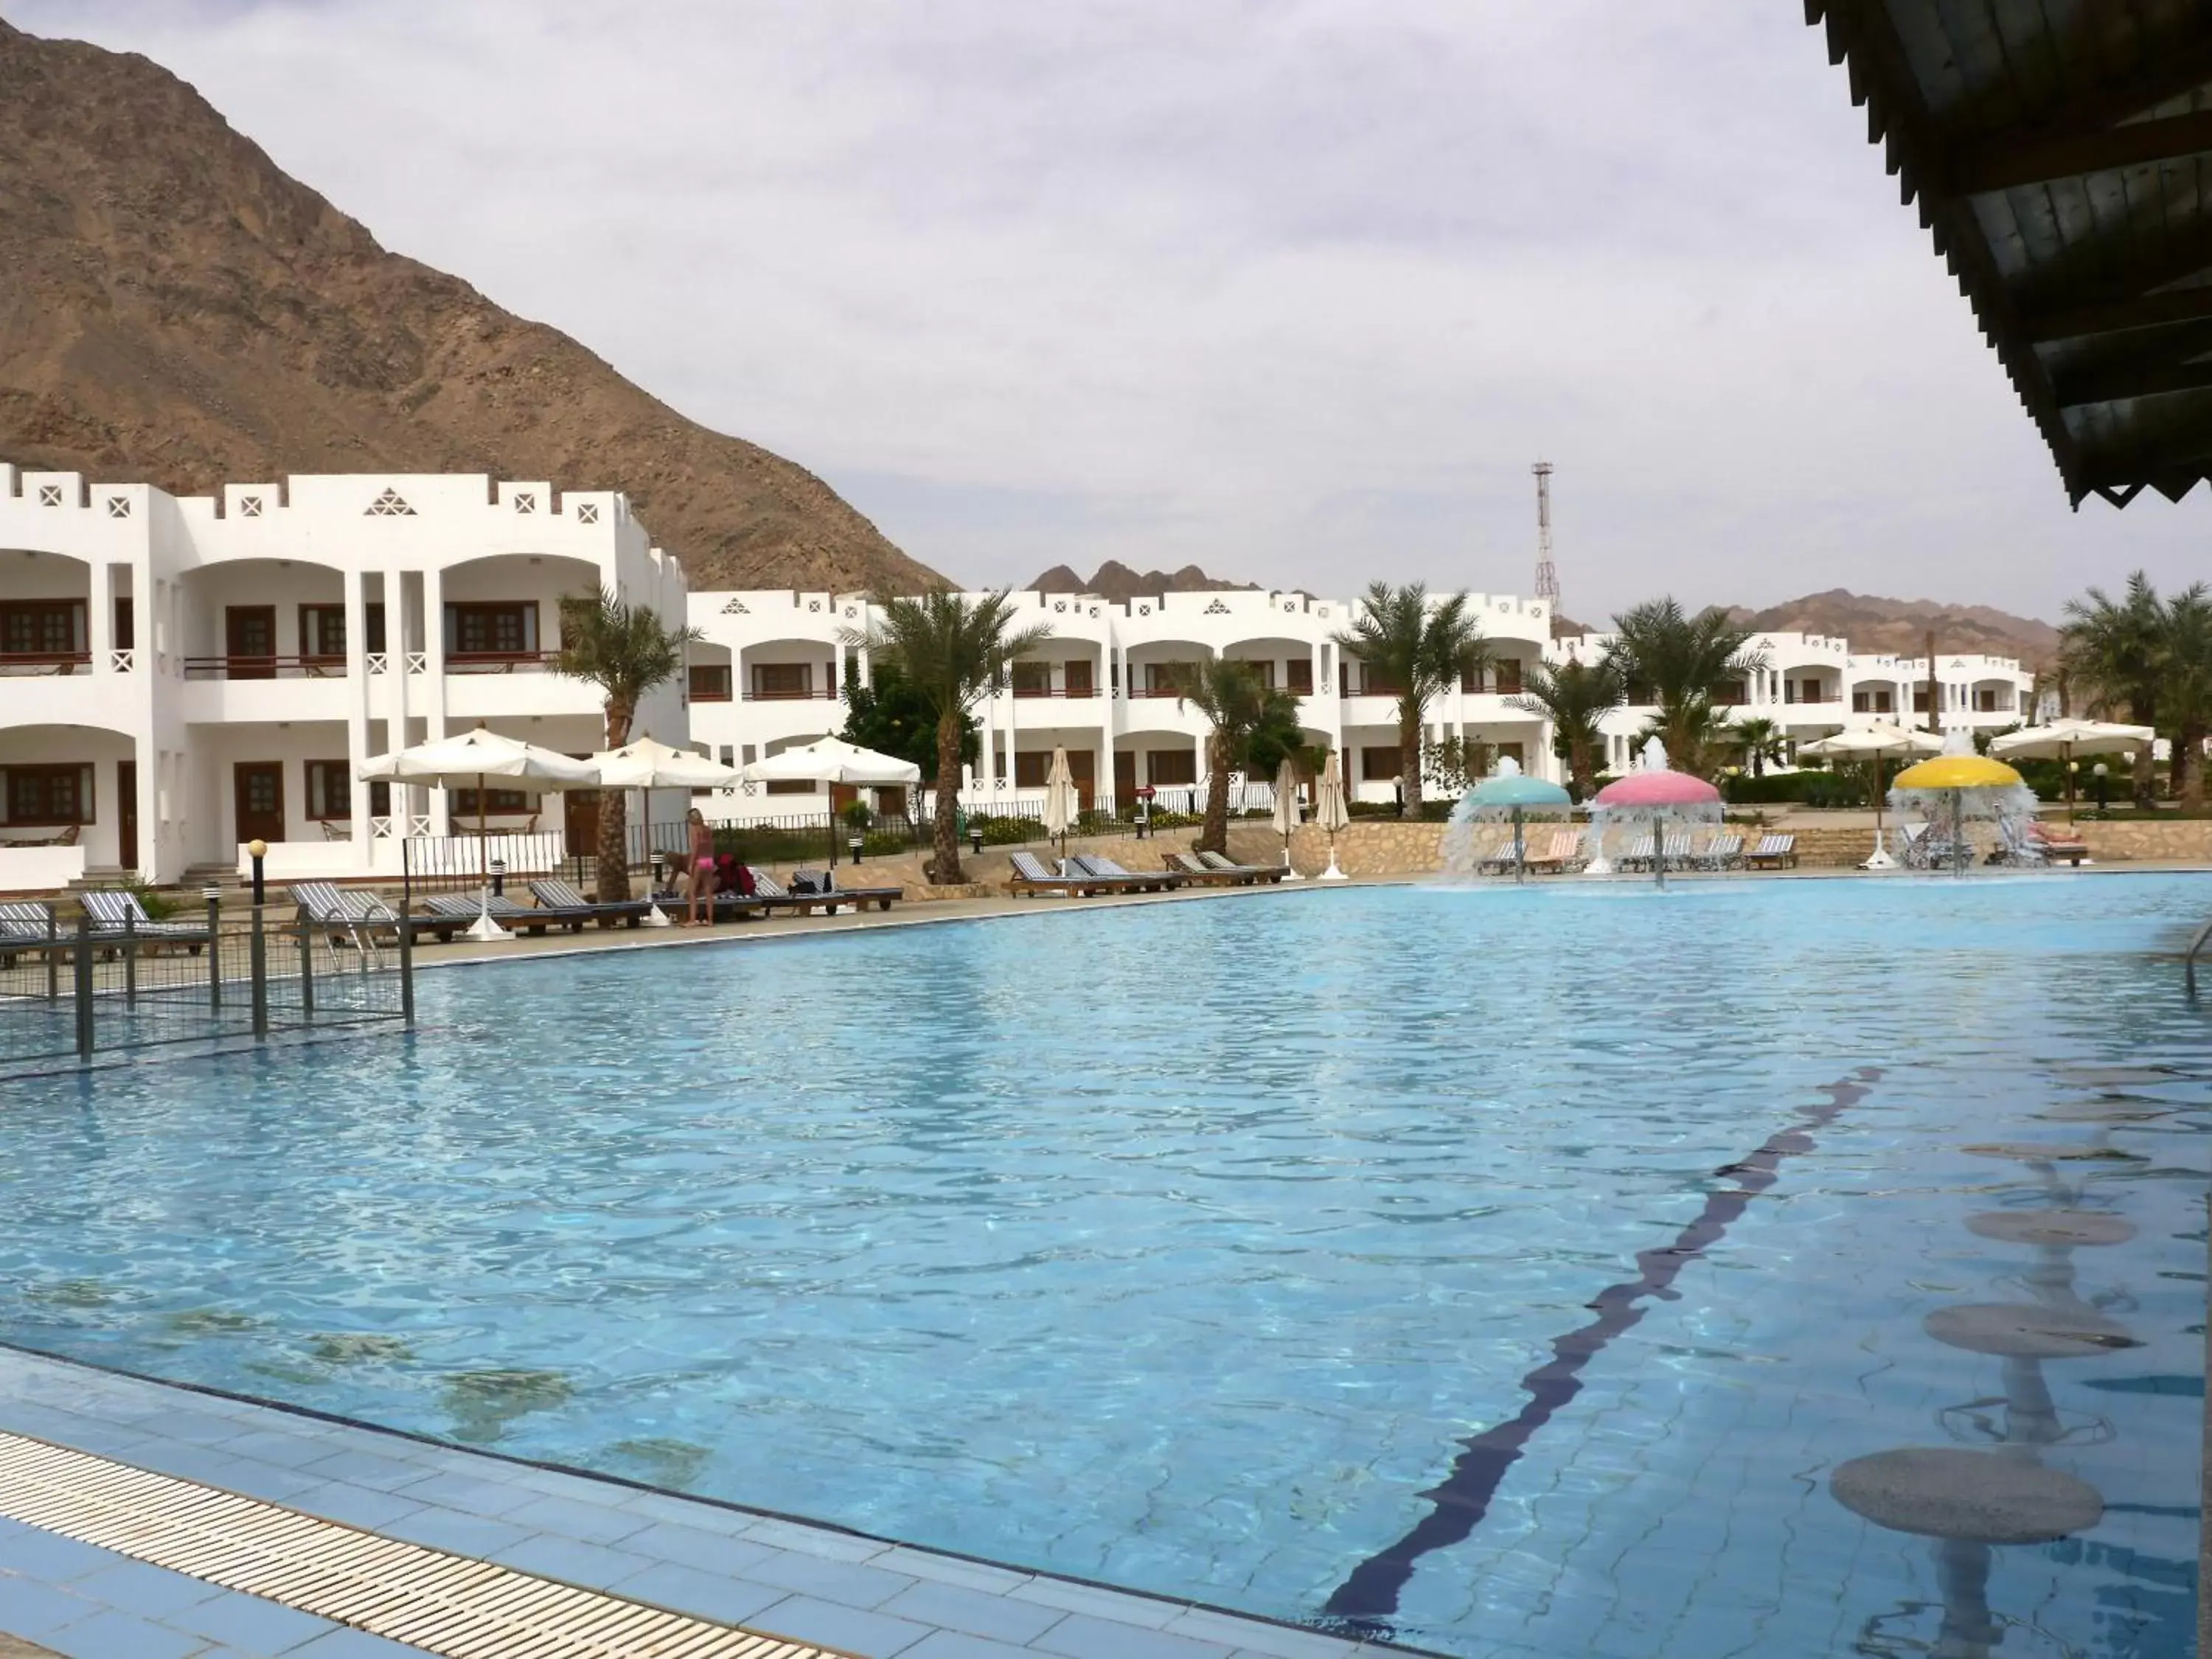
(1242, 708)
(2186, 686)
(1762, 741)
(626, 651)
(2114, 649)
(1419, 651)
(951, 650)
(1574, 697)
(1680, 660)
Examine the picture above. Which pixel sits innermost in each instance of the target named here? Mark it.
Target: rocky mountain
(1901, 626)
(1116, 581)
(174, 308)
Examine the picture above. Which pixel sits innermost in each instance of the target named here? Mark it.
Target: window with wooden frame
(50, 795)
(126, 625)
(42, 627)
(1031, 679)
(1262, 668)
(1380, 765)
(1171, 769)
(1505, 677)
(330, 789)
(1076, 673)
(1297, 676)
(506, 628)
(1030, 768)
(372, 626)
(791, 786)
(498, 803)
(322, 633)
(710, 681)
(774, 680)
(1166, 679)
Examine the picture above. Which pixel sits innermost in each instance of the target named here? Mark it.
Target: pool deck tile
(866, 1596)
(1082, 1636)
(807, 1618)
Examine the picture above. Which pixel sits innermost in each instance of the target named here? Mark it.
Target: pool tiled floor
(863, 1596)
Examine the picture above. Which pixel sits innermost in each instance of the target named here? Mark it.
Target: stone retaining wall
(2187, 840)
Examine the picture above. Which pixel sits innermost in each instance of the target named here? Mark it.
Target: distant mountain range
(1116, 581)
(173, 307)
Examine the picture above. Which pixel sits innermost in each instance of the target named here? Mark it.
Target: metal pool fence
(220, 977)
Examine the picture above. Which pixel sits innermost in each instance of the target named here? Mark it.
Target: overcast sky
(1296, 291)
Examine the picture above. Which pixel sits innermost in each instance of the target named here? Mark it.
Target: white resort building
(181, 675)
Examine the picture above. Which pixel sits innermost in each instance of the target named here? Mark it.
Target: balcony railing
(500, 662)
(1059, 692)
(43, 662)
(823, 694)
(264, 668)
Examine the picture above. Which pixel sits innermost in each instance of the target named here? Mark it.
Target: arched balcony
(69, 802)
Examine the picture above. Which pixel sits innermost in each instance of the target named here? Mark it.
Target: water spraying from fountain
(1664, 802)
(1940, 803)
(1506, 796)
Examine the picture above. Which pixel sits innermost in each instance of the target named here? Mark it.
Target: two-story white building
(1100, 685)
(1814, 685)
(180, 676)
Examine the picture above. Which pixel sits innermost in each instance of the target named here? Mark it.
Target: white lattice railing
(122, 662)
(378, 662)
(418, 662)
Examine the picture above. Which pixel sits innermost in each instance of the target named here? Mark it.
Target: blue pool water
(1184, 1246)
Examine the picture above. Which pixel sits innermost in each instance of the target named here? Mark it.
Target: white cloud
(1298, 291)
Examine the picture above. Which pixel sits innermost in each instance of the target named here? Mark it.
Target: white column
(358, 690)
(99, 621)
(147, 788)
(434, 686)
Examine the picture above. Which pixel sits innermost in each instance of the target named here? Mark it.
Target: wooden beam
(1976, 169)
(2060, 322)
(2120, 382)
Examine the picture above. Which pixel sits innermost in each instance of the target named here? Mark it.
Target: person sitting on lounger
(703, 872)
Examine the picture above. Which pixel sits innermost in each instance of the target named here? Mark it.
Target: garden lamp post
(257, 850)
(2102, 776)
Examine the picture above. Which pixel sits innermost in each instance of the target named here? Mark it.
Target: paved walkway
(861, 1596)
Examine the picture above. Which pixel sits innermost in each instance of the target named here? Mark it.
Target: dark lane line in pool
(1364, 1603)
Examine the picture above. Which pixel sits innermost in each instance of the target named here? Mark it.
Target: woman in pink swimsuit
(702, 871)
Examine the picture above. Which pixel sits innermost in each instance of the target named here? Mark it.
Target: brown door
(127, 814)
(890, 800)
(580, 821)
(249, 639)
(258, 792)
(1124, 780)
(842, 795)
(1083, 768)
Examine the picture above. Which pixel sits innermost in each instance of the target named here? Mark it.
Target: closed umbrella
(465, 763)
(1062, 803)
(1286, 810)
(1877, 743)
(646, 765)
(1330, 812)
(2063, 739)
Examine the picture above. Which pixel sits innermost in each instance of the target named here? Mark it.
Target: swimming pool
(1206, 1247)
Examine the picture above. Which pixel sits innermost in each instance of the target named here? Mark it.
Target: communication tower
(1547, 574)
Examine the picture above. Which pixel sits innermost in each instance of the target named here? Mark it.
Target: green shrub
(1815, 789)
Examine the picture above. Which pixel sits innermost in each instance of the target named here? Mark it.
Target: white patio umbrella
(1330, 811)
(1877, 743)
(2063, 739)
(1062, 803)
(1286, 809)
(645, 765)
(832, 760)
(465, 763)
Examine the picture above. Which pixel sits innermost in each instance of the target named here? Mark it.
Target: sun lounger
(116, 913)
(28, 928)
(859, 897)
(1269, 873)
(2053, 844)
(1717, 850)
(1187, 866)
(451, 912)
(1135, 881)
(1031, 877)
(345, 915)
(1493, 850)
(1639, 852)
(557, 897)
(1560, 851)
(1773, 852)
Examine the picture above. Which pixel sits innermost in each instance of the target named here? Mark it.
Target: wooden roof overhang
(2060, 152)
